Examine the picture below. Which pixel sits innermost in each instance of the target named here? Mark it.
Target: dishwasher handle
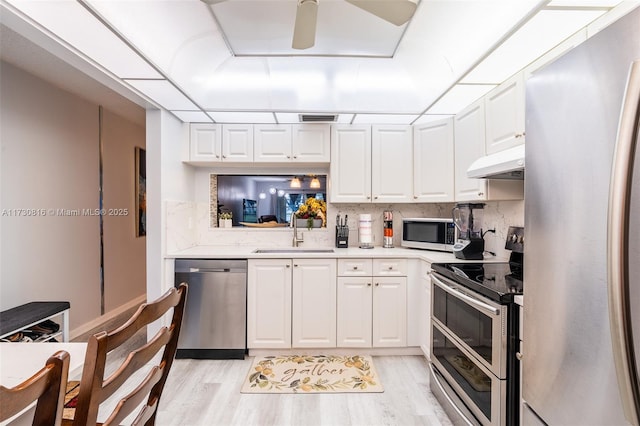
(192, 270)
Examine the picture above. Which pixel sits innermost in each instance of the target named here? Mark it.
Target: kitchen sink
(294, 250)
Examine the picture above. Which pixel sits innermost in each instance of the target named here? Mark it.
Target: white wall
(50, 161)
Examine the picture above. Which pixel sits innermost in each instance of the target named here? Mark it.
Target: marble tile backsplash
(189, 224)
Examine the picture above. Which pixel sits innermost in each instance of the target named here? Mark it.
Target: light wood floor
(207, 392)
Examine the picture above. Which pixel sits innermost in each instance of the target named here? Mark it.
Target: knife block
(342, 236)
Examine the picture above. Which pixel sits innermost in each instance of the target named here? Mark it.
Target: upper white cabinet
(303, 143)
(371, 164)
(205, 142)
(469, 146)
(311, 143)
(216, 143)
(433, 166)
(504, 115)
(237, 142)
(350, 164)
(272, 143)
(470, 136)
(391, 165)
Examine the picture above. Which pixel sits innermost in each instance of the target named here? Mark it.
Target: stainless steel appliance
(467, 218)
(437, 234)
(475, 337)
(582, 221)
(215, 318)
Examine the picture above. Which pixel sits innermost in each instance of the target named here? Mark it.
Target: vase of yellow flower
(312, 213)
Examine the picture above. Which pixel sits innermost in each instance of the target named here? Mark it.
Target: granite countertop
(248, 252)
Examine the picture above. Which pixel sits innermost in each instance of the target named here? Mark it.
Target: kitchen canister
(365, 232)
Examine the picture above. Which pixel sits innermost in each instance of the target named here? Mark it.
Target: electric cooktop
(497, 281)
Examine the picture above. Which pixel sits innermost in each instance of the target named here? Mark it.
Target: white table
(19, 361)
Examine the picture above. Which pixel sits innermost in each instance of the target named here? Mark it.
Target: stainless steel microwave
(429, 233)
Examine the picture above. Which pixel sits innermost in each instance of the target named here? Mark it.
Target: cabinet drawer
(354, 267)
(389, 267)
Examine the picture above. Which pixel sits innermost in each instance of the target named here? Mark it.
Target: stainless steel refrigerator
(582, 229)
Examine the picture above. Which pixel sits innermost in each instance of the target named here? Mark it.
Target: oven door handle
(481, 306)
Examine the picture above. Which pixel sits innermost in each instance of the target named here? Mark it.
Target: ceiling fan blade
(397, 12)
(212, 1)
(304, 32)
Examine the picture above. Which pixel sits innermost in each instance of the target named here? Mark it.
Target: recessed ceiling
(265, 28)
(189, 57)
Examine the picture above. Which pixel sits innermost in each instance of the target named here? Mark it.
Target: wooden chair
(95, 388)
(47, 386)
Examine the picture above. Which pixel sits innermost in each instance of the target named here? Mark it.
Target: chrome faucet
(296, 240)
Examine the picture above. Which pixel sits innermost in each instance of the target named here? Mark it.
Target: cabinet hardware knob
(224, 156)
(391, 268)
(288, 156)
(377, 284)
(368, 197)
(375, 198)
(415, 197)
(355, 268)
(217, 156)
(295, 156)
(368, 284)
(519, 356)
(480, 194)
(288, 266)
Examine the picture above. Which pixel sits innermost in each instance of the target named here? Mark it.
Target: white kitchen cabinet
(237, 142)
(355, 267)
(269, 303)
(372, 310)
(272, 143)
(354, 312)
(205, 142)
(391, 164)
(389, 323)
(350, 170)
(504, 115)
(424, 319)
(433, 165)
(214, 143)
(311, 143)
(469, 143)
(314, 303)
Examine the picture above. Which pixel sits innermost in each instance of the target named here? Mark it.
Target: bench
(24, 316)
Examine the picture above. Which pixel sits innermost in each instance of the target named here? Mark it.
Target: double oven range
(475, 338)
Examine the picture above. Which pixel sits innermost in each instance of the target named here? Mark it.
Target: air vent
(317, 118)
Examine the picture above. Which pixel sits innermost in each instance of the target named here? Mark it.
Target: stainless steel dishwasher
(214, 325)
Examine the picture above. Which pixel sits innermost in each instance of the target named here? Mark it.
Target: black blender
(468, 219)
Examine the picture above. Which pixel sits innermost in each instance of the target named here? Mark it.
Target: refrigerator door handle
(618, 248)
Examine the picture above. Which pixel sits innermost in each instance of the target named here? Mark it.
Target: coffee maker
(468, 219)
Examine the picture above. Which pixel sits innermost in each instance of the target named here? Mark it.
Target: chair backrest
(47, 386)
(95, 388)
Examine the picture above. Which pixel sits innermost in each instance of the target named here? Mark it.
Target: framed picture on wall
(141, 192)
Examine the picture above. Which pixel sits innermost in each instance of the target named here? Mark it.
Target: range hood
(507, 164)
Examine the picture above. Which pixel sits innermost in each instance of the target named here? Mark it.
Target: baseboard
(339, 351)
(87, 327)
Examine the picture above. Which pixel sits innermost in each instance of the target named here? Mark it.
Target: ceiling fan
(397, 12)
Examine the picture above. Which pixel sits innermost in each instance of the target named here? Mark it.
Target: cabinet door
(389, 311)
(504, 111)
(425, 303)
(314, 303)
(433, 166)
(269, 303)
(205, 142)
(354, 312)
(237, 142)
(469, 146)
(272, 143)
(311, 143)
(350, 164)
(391, 165)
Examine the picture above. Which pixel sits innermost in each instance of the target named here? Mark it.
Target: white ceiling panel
(384, 118)
(459, 97)
(77, 27)
(192, 116)
(164, 93)
(542, 33)
(243, 117)
(431, 118)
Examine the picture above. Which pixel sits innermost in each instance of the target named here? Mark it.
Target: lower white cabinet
(291, 303)
(269, 303)
(372, 311)
(314, 303)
